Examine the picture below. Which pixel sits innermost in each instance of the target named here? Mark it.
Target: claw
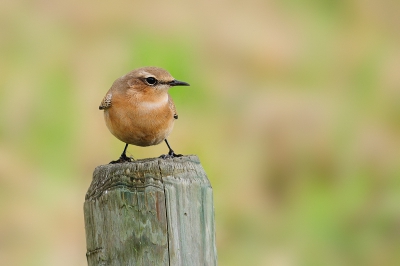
(171, 154)
(123, 159)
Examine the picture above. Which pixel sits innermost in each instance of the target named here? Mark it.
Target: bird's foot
(171, 154)
(123, 159)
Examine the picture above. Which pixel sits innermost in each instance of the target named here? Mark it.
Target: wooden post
(150, 212)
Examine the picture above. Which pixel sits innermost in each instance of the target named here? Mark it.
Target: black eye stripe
(153, 81)
(164, 82)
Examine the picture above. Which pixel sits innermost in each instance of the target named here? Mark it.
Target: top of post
(130, 174)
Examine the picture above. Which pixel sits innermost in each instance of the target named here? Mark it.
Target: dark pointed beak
(178, 83)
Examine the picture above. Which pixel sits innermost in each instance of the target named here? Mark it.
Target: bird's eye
(151, 81)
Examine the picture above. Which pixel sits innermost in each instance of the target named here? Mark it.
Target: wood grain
(150, 212)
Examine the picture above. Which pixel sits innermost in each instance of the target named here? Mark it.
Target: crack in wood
(160, 212)
(91, 252)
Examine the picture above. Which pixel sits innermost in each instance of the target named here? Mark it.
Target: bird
(138, 109)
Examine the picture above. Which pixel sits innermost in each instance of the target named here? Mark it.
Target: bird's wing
(106, 102)
(172, 106)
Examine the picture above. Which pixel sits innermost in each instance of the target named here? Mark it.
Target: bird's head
(151, 78)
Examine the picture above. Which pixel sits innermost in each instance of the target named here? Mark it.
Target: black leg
(171, 153)
(123, 158)
(124, 152)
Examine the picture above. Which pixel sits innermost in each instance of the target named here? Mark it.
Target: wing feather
(106, 102)
(172, 106)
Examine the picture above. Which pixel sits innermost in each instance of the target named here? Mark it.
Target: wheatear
(138, 109)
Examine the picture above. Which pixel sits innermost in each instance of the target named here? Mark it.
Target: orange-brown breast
(140, 119)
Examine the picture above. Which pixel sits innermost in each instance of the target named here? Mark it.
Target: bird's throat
(151, 103)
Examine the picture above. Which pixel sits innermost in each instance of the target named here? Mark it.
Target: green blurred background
(293, 109)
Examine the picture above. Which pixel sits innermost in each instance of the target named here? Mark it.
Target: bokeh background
(293, 109)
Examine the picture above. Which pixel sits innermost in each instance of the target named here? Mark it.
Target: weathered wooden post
(150, 212)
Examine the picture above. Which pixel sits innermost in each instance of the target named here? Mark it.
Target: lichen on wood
(150, 212)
